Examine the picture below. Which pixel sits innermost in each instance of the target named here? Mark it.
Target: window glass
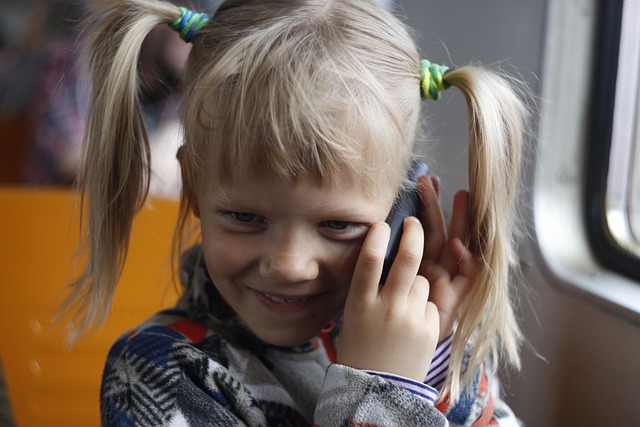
(622, 202)
(613, 195)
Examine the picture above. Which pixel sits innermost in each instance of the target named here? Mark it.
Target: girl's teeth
(281, 300)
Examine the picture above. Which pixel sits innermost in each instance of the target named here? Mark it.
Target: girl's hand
(447, 262)
(391, 328)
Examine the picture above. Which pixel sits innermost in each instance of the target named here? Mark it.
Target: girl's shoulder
(157, 373)
(167, 324)
(168, 336)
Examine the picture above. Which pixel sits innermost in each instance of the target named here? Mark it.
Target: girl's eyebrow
(246, 204)
(355, 215)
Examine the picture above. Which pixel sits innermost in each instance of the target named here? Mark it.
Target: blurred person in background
(48, 81)
(55, 107)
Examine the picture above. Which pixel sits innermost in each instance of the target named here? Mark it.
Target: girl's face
(282, 254)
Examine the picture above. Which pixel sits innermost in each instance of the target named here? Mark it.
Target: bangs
(301, 104)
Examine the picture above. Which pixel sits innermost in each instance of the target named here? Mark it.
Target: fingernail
(381, 224)
(412, 219)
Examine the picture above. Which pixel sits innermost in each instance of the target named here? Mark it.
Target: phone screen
(406, 204)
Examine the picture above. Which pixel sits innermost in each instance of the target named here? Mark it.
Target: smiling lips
(283, 304)
(284, 299)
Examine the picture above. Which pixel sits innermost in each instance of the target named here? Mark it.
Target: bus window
(585, 191)
(613, 181)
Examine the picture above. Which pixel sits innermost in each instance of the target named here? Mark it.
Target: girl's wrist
(419, 389)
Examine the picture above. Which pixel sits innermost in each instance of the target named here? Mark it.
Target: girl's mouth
(284, 304)
(284, 299)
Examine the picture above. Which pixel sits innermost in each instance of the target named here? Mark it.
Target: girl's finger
(467, 262)
(457, 259)
(366, 276)
(419, 293)
(432, 219)
(435, 181)
(460, 216)
(462, 283)
(431, 315)
(407, 262)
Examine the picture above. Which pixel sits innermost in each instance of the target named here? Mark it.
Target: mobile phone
(407, 203)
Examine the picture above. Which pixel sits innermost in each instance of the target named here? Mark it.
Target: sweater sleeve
(351, 397)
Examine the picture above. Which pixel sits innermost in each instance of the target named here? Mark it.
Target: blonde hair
(298, 89)
(497, 127)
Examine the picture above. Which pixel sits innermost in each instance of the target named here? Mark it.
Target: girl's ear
(187, 186)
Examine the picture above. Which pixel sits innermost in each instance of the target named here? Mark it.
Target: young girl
(300, 118)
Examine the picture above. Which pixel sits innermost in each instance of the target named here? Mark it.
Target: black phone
(407, 203)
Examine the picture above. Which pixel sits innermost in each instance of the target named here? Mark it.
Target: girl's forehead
(367, 161)
(272, 195)
(370, 184)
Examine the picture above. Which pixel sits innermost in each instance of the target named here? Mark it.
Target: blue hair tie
(189, 24)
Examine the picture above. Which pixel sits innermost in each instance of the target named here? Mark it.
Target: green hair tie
(432, 82)
(189, 24)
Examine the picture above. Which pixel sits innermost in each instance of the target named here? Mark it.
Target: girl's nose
(292, 259)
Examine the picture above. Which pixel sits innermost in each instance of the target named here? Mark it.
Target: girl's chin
(284, 339)
(291, 341)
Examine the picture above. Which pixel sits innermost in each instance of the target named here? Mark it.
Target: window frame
(560, 252)
(604, 244)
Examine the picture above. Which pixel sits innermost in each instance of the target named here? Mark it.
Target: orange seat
(49, 384)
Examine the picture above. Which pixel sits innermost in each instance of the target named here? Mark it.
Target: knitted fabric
(199, 365)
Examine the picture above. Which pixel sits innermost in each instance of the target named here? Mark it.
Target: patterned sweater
(199, 365)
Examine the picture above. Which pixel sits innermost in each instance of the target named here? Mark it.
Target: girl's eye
(344, 230)
(245, 217)
(338, 225)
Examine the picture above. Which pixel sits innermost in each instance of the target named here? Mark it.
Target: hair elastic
(189, 24)
(432, 82)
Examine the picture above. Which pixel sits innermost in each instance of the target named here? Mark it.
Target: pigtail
(114, 177)
(497, 119)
